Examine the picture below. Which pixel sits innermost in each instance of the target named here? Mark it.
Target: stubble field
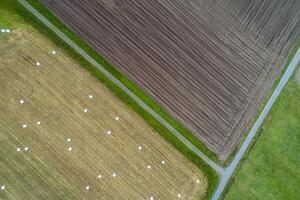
(209, 63)
(58, 142)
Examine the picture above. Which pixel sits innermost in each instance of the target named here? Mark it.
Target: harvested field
(209, 63)
(51, 147)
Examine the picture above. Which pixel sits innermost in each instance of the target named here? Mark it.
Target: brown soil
(209, 63)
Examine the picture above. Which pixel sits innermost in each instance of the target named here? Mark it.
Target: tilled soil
(208, 63)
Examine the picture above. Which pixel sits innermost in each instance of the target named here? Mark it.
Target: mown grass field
(270, 171)
(165, 133)
(56, 93)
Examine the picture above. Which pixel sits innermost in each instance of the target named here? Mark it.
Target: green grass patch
(270, 170)
(22, 17)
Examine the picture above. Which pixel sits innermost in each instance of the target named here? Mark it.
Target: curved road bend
(212, 164)
(230, 169)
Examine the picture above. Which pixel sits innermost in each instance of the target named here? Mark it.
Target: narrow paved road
(123, 87)
(230, 169)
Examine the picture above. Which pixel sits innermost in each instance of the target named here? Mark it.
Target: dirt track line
(231, 168)
(211, 163)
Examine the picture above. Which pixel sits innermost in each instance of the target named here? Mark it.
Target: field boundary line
(141, 103)
(237, 158)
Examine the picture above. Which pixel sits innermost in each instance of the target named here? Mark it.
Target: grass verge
(17, 9)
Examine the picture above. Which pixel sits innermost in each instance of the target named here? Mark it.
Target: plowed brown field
(209, 63)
